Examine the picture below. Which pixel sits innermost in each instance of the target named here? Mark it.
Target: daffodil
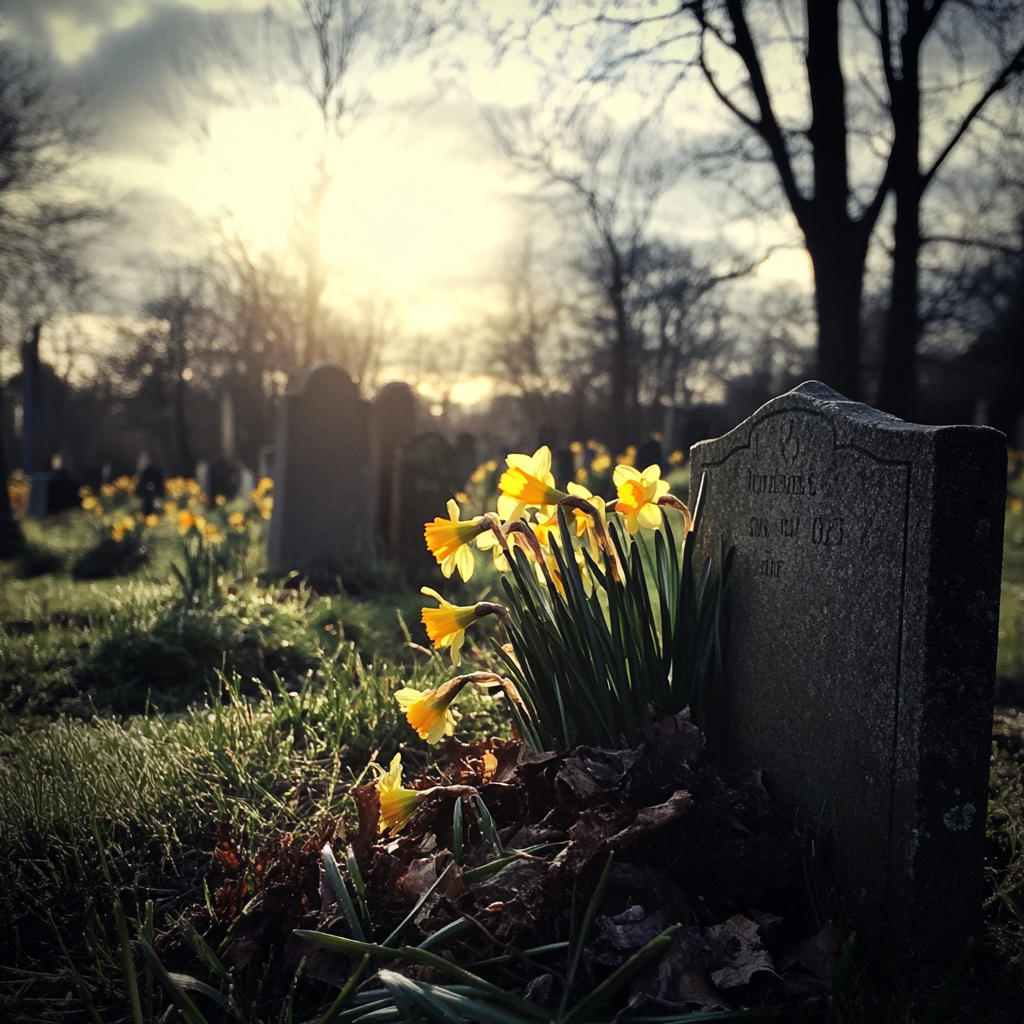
(447, 540)
(527, 481)
(446, 626)
(584, 522)
(397, 804)
(429, 711)
(638, 495)
(237, 521)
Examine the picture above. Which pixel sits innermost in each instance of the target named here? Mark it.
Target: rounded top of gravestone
(327, 379)
(396, 393)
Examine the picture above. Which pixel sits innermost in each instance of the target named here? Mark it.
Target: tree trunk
(897, 392)
(838, 284)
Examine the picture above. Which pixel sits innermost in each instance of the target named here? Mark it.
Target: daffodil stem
(529, 541)
(584, 506)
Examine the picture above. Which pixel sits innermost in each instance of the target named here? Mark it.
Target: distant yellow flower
(152, 519)
(676, 458)
(447, 540)
(220, 500)
(89, 503)
(638, 496)
(237, 521)
(446, 626)
(211, 533)
(628, 457)
(527, 481)
(124, 525)
(1016, 504)
(108, 490)
(600, 463)
(428, 711)
(397, 804)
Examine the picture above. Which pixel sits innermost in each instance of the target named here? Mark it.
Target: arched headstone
(324, 495)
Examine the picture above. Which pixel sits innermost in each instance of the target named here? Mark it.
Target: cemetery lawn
(144, 741)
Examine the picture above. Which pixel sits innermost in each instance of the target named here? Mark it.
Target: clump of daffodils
(576, 579)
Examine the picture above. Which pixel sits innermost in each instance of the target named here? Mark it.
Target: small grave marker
(394, 417)
(324, 484)
(864, 607)
(426, 476)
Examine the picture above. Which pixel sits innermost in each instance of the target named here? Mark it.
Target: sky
(421, 209)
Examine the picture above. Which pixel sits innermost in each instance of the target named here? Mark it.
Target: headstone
(394, 418)
(150, 488)
(265, 468)
(465, 456)
(224, 479)
(563, 467)
(426, 476)
(863, 611)
(324, 484)
(202, 476)
(50, 491)
(649, 454)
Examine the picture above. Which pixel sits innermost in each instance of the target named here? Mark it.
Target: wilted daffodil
(448, 541)
(638, 496)
(429, 711)
(397, 804)
(446, 626)
(527, 481)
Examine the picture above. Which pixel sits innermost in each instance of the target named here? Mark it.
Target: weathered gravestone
(394, 420)
(863, 615)
(426, 476)
(324, 487)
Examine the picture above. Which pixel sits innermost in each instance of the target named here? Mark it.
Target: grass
(138, 730)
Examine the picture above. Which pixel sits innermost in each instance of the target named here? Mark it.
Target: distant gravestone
(649, 454)
(426, 476)
(150, 488)
(863, 616)
(465, 456)
(324, 486)
(394, 418)
(224, 478)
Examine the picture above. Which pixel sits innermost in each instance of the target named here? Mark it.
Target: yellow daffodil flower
(638, 495)
(584, 522)
(397, 804)
(152, 519)
(428, 711)
(446, 626)
(447, 540)
(185, 521)
(527, 481)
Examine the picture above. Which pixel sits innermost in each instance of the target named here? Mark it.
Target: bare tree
(43, 223)
(608, 181)
(875, 113)
(334, 48)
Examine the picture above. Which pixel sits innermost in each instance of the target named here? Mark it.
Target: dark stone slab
(324, 483)
(426, 476)
(863, 621)
(394, 418)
